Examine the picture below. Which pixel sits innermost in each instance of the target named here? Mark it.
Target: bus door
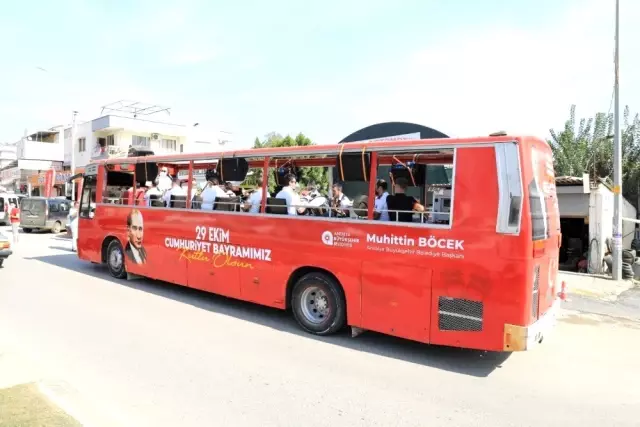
(89, 233)
(545, 226)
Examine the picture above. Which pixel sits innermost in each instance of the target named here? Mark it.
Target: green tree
(307, 174)
(588, 148)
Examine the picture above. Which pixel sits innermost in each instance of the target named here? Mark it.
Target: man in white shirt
(176, 190)
(152, 191)
(289, 194)
(380, 210)
(210, 193)
(255, 199)
(163, 181)
(339, 202)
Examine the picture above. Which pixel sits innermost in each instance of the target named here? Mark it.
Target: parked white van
(5, 201)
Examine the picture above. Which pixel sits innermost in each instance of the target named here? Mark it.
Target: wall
(35, 150)
(601, 222)
(83, 130)
(628, 228)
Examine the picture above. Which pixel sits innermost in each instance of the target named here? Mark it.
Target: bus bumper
(521, 338)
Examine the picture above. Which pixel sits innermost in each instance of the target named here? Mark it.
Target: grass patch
(25, 406)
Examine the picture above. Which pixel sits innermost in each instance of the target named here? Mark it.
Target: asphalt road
(145, 353)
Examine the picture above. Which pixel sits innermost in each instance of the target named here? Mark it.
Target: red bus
(476, 269)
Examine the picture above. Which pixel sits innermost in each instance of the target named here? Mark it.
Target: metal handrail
(422, 216)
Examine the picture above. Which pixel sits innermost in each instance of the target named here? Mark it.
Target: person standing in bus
(253, 203)
(289, 194)
(14, 218)
(380, 211)
(340, 203)
(163, 181)
(211, 191)
(400, 206)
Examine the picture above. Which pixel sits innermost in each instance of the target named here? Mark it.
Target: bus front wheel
(115, 260)
(318, 304)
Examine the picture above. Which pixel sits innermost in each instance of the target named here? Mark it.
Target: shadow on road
(468, 362)
(61, 248)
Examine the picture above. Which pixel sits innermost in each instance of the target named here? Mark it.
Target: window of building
(111, 140)
(168, 144)
(82, 145)
(140, 141)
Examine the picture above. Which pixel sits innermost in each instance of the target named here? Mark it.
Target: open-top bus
(477, 271)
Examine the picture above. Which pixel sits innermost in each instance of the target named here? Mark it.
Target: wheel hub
(115, 259)
(315, 305)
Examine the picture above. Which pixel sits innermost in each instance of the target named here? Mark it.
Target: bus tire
(318, 304)
(26, 230)
(115, 260)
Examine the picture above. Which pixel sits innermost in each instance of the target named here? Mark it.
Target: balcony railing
(109, 152)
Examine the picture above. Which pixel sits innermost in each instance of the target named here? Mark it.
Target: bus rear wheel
(115, 260)
(318, 304)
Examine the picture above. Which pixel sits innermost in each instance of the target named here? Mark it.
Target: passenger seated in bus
(176, 190)
(152, 191)
(210, 192)
(252, 205)
(380, 211)
(228, 189)
(288, 193)
(311, 191)
(403, 203)
(340, 203)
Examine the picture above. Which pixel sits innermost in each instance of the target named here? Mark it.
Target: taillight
(538, 248)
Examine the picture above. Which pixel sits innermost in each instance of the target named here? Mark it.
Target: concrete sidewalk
(28, 398)
(594, 286)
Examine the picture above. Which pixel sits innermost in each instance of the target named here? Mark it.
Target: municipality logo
(327, 238)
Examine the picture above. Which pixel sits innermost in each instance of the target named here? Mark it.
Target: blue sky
(322, 68)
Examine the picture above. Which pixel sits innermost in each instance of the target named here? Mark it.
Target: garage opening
(575, 244)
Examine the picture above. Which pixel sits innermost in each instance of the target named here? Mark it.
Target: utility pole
(73, 155)
(617, 161)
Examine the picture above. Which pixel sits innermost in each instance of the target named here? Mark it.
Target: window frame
(510, 188)
(138, 138)
(169, 144)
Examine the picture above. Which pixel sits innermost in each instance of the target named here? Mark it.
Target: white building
(586, 220)
(35, 152)
(113, 135)
(7, 154)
